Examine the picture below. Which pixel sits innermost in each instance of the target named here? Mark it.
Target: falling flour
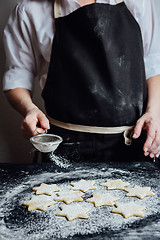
(59, 161)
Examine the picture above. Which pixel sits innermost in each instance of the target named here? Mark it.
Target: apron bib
(96, 75)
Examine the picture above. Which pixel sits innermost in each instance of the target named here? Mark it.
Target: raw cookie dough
(83, 185)
(115, 184)
(70, 196)
(40, 202)
(140, 192)
(129, 209)
(102, 199)
(73, 211)
(47, 189)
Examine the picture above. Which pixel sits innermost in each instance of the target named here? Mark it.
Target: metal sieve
(46, 142)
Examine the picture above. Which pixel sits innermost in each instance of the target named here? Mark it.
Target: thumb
(138, 128)
(43, 121)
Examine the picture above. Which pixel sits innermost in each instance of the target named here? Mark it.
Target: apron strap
(57, 9)
(126, 130)
(119, 1)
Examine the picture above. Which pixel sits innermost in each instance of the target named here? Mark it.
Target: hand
(151, 123)
(35, 120)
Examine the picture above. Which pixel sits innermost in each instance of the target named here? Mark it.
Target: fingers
(153, 147)
(27, 132)
(152, 144)
(138, 128)
(35, 122)
(43, 121)
(149, 141)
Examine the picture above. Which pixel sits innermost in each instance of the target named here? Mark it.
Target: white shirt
(30, 31)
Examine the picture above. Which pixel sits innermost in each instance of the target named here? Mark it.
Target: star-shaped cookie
(70, 196)
(40, 202)
(102, 199)
(115, 184)
(140, 192)
(73, 211)
(83, 185)
(129, 209)
(47, 189)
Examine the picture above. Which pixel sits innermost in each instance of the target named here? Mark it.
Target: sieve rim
(57, 140)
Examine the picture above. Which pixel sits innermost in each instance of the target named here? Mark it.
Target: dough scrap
(140, 192)
(83, 185)
(73, 211)
(115, 184)
(129, 209)
(41, 202)
(102, 199)
(47, 189)
(70, 196)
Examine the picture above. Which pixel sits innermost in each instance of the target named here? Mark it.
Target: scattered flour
(16, 222)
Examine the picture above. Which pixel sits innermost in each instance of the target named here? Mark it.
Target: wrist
(153, 112)
(153, 108)
(28, 108)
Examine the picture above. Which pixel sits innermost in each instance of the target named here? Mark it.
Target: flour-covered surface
(17, 223)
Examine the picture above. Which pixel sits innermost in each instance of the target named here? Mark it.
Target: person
(98, 63)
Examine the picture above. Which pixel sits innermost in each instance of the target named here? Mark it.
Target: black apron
(96, 77)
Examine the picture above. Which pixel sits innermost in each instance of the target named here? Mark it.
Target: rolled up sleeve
(18, 78)
(20, 60)
(151, 35)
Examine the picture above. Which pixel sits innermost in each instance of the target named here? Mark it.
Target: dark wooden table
(16, 182)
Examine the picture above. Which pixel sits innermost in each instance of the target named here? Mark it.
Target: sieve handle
(36, 130)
